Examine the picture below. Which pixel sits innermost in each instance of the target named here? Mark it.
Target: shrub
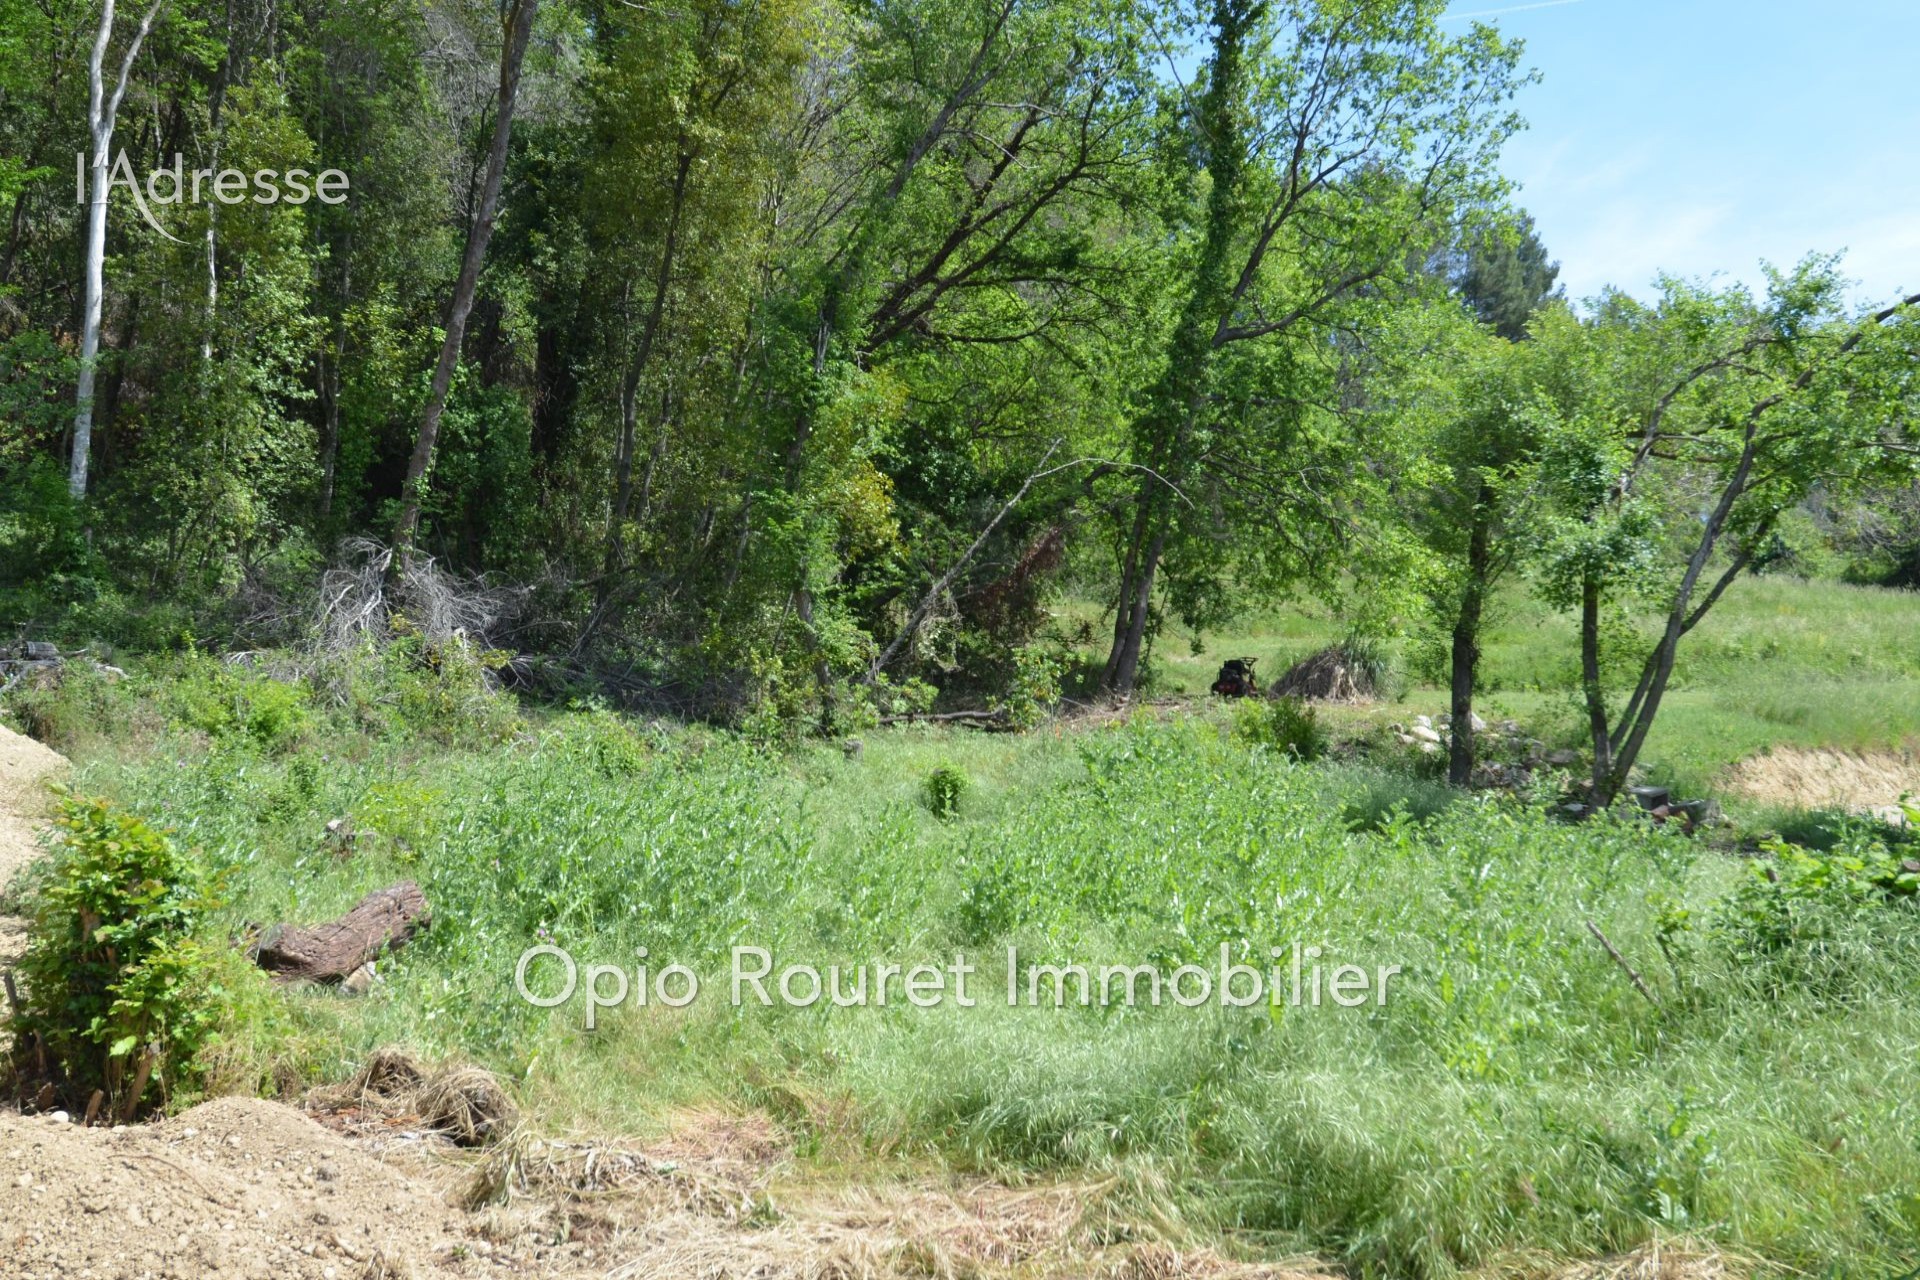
(1374, 795)
(945, 786)
(409, 685)
(1806, 915)
(225, 701)
(1286, 725)
(1034, 688)
(67, 707)
(121, 993)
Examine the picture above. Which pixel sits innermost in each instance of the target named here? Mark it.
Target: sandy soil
(1820, 778)
(233, 1188)
(25, 768)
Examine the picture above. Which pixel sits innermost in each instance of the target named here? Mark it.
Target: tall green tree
(1708, 416)
(516, 29)
(1335, 143)
(1501, 271)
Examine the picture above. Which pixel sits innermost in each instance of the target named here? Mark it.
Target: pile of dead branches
(360, 597)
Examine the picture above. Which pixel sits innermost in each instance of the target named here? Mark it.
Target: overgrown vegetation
(1518, 1092)
(128, 991)
(828, 421)
(683, 389)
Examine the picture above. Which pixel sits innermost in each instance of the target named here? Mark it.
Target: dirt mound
(232, 1188)
(25, 768)
(1819, 778)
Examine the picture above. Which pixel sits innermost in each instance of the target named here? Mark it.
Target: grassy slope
(1778, 662)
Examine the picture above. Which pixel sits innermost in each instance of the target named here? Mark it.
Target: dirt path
(25, 768)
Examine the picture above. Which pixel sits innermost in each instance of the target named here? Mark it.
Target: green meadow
(1517, 1095)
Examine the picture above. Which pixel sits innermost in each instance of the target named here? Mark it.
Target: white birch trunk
(101, 110)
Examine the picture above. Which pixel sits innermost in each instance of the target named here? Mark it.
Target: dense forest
(786, 358)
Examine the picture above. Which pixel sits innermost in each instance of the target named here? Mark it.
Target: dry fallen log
(946, 717)
(385, 920)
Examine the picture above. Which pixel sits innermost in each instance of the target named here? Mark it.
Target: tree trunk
(1590, 682)
(1130, 626)
(1163, 432)
(636, 367)
(329, 429)
(102, 107)
(513, 50)
(385, 920)
(1466, 644)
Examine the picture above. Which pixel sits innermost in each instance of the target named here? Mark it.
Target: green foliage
(1793, 907)
(122, 990)
(1034, 689)
(1289, 726)
(945, 787)
(411, 686)
(1375, 798)
(1797, 545)
(1394, 1138)
(225, 701)
(42, 535)
(1502, 273)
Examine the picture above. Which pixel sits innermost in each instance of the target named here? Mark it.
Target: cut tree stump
(384, 920)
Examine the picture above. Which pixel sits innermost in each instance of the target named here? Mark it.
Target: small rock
(1561, 759)
(359, 982)
(60, 1117)
(1426, 734)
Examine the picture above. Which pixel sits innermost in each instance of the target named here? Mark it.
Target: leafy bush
(1375, 795)
(1286, 725)
(121, 993)
(224, 701)
(1034, 688)
(1805, 898)
(944, 787)
(63, 709)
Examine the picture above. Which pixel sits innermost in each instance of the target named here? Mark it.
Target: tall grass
(1516, 1093)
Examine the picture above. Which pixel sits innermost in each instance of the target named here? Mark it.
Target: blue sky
(1701, 136)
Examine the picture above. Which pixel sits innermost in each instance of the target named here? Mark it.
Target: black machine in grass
(1236, 679)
